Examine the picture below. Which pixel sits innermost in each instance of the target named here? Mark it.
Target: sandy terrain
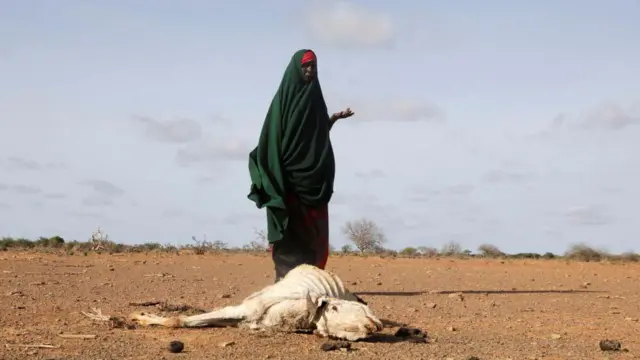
(513, 309)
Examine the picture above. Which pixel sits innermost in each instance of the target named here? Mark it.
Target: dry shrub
(428, 251)
(630, 257)
(490, 251)
(451, 248)
(583, 252)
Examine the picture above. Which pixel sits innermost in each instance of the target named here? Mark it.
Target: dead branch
(77, 336)
(34, 346)
(96, 315)
(145, 303)
(158, 275)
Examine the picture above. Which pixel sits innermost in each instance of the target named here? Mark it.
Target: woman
(292, 169)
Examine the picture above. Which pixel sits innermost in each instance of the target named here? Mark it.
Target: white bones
(306, 299)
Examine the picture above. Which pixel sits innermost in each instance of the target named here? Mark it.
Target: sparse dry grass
(56, 244)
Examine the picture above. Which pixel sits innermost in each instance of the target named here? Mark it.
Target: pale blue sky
(512, 123)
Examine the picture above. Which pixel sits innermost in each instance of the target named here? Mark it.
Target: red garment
(316, 231)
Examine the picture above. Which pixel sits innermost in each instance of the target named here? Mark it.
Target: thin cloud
(504, 176)
(15, 163)
(339, 198)
(586, 215)
(103, 188)
(179, 131)
(19, 163)
(460, 189)
(21, 189)
(207, 180)
(395, 110)
(606, 116)
(419, 194)
(345, 24)
(86, 214)
(371, 174)
(212, 150)
(175, 213)
(55, 196)
(97, 201)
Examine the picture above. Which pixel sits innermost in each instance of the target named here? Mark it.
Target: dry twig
(145, 303)
(34, 346)
(77, 336)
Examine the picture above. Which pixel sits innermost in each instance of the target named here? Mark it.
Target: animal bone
(306, 299)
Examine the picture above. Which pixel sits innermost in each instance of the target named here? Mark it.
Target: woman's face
(309, 70)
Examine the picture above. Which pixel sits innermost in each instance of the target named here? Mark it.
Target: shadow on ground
(391, 339)
(445, 292)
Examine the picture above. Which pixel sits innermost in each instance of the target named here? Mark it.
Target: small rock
(458, 296)
(379, 283)
(227, 343)
(610, 345)
(431, 305)
(452, 328)
(225, 296)
(176, 346)
(556, 336)
(335, 345)
(631, 319)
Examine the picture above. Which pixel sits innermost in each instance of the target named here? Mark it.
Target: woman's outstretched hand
(342, 114)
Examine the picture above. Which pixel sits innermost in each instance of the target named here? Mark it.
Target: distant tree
(490, 251)
(365, 235)
(585, 252)
(346, 249)
(451, 248)
(409, 251)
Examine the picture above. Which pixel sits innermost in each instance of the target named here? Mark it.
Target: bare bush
(346, 249)
(365, 235)
(490, 251)
(451, 248)
(427, 251)
(202, 246)
(585, 252)
(630, 257)
(260, 244)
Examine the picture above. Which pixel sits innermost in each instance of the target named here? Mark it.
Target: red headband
(308, 56)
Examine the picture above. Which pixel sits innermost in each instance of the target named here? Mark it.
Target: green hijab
(294, 153)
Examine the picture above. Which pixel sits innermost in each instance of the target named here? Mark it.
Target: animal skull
(345, 319)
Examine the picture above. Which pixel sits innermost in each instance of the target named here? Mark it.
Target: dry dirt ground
(513, 309)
